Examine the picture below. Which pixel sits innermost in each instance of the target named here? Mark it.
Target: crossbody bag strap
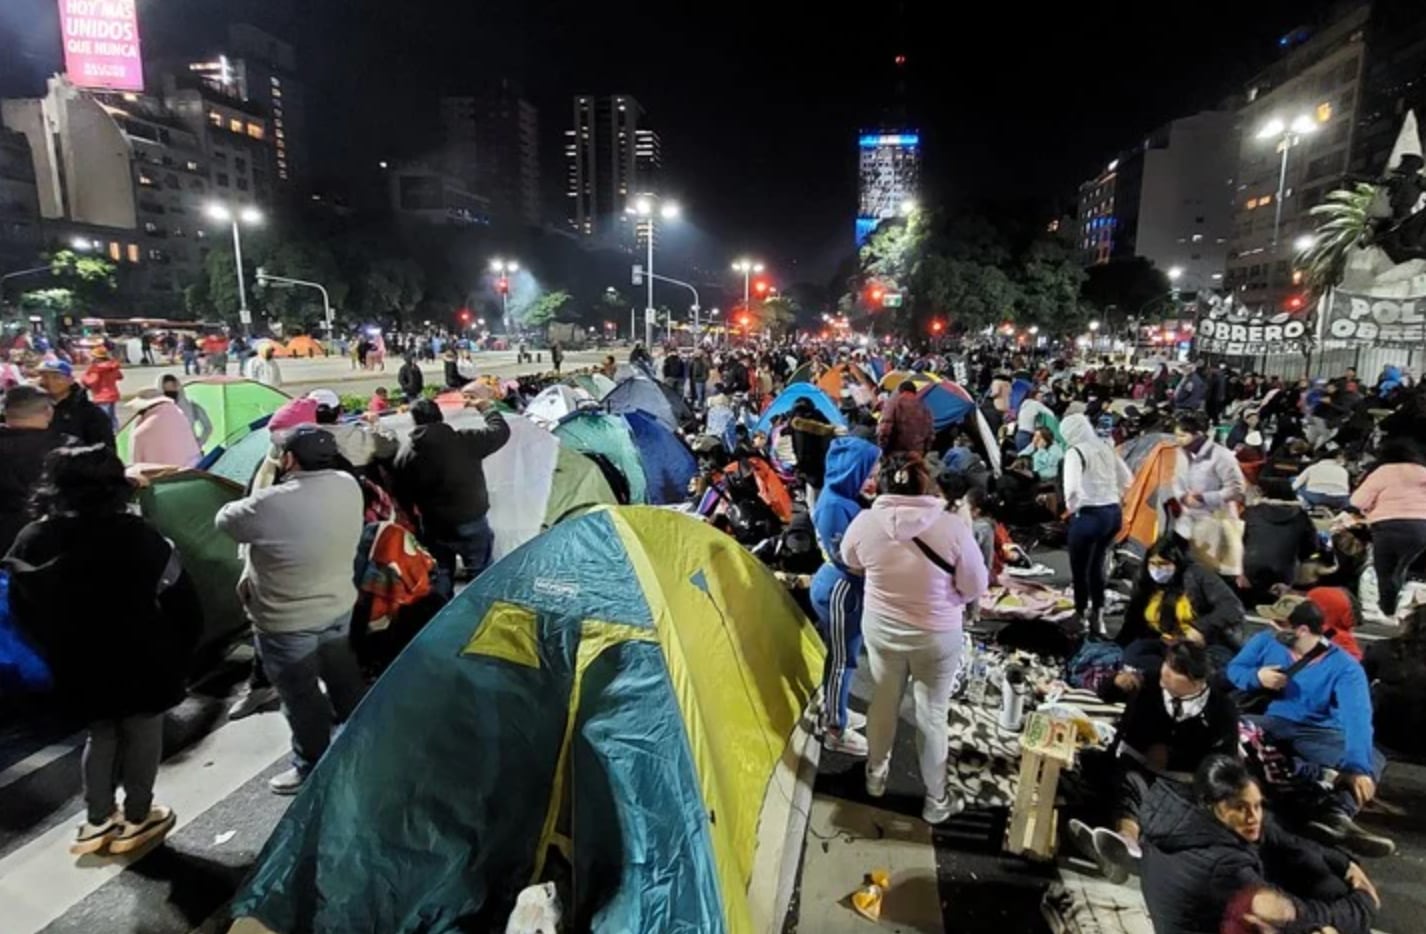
(1316, 652)
(934, 558)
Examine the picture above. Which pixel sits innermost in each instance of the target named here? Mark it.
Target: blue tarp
(788, 398)
(668, 463)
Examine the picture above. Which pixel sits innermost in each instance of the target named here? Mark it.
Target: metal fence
(1329, 361)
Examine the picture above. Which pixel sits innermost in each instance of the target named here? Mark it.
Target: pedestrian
(697, 379)
(1095, 479)
(1393, 500)
(922, 566)
(189, 350)
(556, 356)
(162, 434)
(74, 415)
(673, 370)
(1209, 485)
(411, 379)
(263, 368)
(198, 420)
(906, 426)
(107, 603)
(25, 439)
(453, 377)
(102, 380)
(439, 478)
(146, 348)
(301, 537)
(359, 442)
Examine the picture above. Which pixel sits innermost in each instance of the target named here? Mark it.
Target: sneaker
(154, 827)
(876, 783)
(252, 701)
(1337, 828)
(1082, 836)
(938, 812)
(848, 742)
(287, 783)
(855, 720)
(92, 838)
(1118, 856)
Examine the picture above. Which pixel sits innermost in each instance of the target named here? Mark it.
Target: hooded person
(25, 439)
(1095, 478)
(172, 387)
(162, 434)
(812, 435)
(836, 591)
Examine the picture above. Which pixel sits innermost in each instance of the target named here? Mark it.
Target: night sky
(757, 103)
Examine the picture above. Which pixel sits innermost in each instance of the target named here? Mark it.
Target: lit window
(1265, 200)
(1324, 111)
(145, 180)
(1252, 203)
(114, 250)
(256, 131)
(280, 135)
(274, 81)
(235, 124)
(191, 166)
(133, 252)
(215, 118)
(1198, 238)
(277, 92)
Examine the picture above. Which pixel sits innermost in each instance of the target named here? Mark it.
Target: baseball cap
(325, 398)
(314, 448)
(56, 365)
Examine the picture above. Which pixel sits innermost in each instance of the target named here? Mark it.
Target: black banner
(1382, 322)
(1249, 338)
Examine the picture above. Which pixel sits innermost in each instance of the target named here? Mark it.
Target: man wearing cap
(359, 442)
(25, 439)
(439, 477)
(301, 536)
(102, 380)
(74, 414)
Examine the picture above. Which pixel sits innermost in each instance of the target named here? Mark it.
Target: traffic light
(876, 294)
(502, 286)
(744, 320)
(937, 327)
(760, 286)
(1295, 302)
(465, 316)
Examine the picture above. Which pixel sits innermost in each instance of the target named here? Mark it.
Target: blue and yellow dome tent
(631, 690)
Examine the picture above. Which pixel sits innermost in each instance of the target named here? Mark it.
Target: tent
(1019, 389)
(647, 395)
(555, 402)
(304, 345)
(234, 405)
(837, 377)
(610, 436)
(631, 688)
(1145, 518)
(895, 378)
(181, 505)
(668, 463)
(596, 384)
(785, 400)
(951, 404)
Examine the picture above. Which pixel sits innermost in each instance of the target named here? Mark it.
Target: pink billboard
(101, 44)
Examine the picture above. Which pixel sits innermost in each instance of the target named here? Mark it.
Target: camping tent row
(625, 703)
(234, 405)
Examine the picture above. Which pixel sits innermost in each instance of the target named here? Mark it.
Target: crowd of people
(1304, 500)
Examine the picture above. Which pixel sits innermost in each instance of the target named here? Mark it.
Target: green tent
(181, 505)
(609, 435)
(232, 404)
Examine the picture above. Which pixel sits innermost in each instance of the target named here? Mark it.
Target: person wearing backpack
(1095, 478)
(922, 566)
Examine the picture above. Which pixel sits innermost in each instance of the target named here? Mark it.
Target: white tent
(555, 402)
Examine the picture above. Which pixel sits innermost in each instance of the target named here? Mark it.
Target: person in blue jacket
(1321, 716)
(837, 591)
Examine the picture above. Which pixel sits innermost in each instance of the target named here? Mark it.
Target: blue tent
(1018, 391)
(668, 463)
(647, 395)
(788, 398)
(949, 404)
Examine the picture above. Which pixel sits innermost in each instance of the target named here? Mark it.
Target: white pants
(894, 650)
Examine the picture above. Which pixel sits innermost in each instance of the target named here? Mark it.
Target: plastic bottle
(1013, 695)
(979, 676)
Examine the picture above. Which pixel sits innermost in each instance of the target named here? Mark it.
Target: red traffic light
(760, 286)
(936, 327)
(876, 295)
(1295, 302)
(465, 316)
(744, 320)
(503, 286)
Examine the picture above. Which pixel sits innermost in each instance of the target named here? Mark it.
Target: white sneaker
(286, 783)
(848, 742)
(938, 812)
(251, 702)
(93, 838)
(155, 826)
(855, 720)
(876, 783)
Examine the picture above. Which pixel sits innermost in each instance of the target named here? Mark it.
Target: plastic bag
(537, 911)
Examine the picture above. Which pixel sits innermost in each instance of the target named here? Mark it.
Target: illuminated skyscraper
(889, 178)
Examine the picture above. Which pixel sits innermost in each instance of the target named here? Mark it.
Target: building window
(114, 250)
(222, 179)
(200, 233)
(191, 166)
(133, 252)
(275, 82)
(256, 131)
(240, 164)
(276, 91)
(145, 180)
(150, 227)
(1197, 238)
(220, 157)
(215, 118)
(242, 184)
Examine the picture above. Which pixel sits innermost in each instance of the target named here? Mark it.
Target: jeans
(190, 364)
(1023, 439)
(294, 661)
(122, 752)
(1396, 544)
(700, 392)
(1317, 746)
(839, 615)
(1330, 500)
(472, 541)
(894, 651)
(110, 409)
(1091, 532)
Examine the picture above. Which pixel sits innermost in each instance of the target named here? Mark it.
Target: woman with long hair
(107, 603)
(1175, 597)
(921, 566)
(1095, 479)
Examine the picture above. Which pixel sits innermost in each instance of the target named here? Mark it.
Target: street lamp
(504, 269)
(908, 207)
(1287, 135)
(643, 206)
(1304, 243)
(249, 215)
(747, 267)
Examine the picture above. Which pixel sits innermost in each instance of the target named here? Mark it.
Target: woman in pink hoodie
(922, 566)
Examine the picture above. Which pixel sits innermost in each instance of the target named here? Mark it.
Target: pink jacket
(903, 584)
(163, 435)
(1393, 491)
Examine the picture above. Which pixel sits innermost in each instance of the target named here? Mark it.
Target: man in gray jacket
(301, 537)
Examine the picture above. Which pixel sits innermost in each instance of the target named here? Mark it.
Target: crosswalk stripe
(40, 881)
(39, 759)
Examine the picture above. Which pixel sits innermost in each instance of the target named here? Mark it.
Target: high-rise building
(491, 142)
(1316, 87)
(234, 133)
(20, 237)
(611, 156)
(1096, 215)
(889, 177)
(1393, 83)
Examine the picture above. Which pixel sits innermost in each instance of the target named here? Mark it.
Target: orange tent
(771, 489)
(1145, 514)
(305, 346)
(848, 376)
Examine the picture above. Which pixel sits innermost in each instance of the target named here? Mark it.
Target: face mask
(171, 393)
(1193, 445)
(1161, 575)
(1287, 637)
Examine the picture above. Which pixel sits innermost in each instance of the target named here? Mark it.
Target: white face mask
(1160, 575)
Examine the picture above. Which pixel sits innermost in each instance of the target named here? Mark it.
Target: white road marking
(38, 760)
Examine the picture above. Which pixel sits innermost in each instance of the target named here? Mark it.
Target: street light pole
(265, 277)
(248, 215)
(1287, 135)
(504, 269)
(644, 207)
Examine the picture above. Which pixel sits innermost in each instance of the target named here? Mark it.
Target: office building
(235, 136)
(1096, 216)
(1393, 83)
(1282, 173)
(888, 179)
(425, 194)
(611, 156)
(20, 239)
(491, 143)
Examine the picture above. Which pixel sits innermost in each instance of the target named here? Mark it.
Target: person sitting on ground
(1028, 418)
(1045, 455)
(1247, 422)
(107, 603)
(202, 426)
(1205, 845)
(1174, 598)
(1321, 715)
(1278, 536)
(1325, 483)
(906, 425)
(380, 401)
(25, 439)
(1172, 721)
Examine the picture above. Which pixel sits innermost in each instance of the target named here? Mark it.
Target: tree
(973, 294)
(391, 287)
(544, 309)
(778, 315)
(1344, 220)
(48, 300)
(1049, 288)
(1123, 288)
(89, 278)
(310, 261)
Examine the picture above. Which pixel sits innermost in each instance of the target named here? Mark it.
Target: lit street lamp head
(908, 207)
(643, 207)
(1304, 243)
(250, 215)
(1175, 273)
(1273, 128)
(1302, 124)
(669, 210)
(218, 212)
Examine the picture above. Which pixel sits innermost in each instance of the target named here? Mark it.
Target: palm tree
(1346, 215)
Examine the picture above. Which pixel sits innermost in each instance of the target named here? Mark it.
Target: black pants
(1091, 532)
(1396, 544)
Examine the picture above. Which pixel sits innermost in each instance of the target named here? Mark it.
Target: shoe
(92, 838)
(848, 742)
(253, 700)
(876, 783)
(154, 827)
(287, 783)
(1118, 857)
(1336, 827)
(1082, 836)
(938, 812)
(855, 720)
